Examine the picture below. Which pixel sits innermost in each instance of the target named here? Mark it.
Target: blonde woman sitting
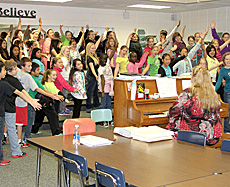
(197, 108)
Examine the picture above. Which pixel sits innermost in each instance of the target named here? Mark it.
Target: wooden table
(145, 164)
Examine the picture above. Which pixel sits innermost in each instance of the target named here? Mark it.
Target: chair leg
(68, 178)
(64, 175)
(96, 181)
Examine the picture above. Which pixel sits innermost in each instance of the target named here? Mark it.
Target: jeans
(62, 104)
(106, 101)
(10, 119)
(77, 107)
(92, 91)
(2, 120)
(31, 119)
(226, 120)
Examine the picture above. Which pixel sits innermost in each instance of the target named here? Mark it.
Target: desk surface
(146, 164)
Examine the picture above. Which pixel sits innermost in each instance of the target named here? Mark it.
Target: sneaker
(68, 110)
(111, 124)
(4, 141)
(36, 133)
(21, 155)
(58, 134)
(105, 125)
(25, 139)
(4, 162)
(63, 113)
(24, 144)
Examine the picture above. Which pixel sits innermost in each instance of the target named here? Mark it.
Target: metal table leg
(59, 173)
(39, 152)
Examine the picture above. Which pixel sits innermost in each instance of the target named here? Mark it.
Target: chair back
(192, 137)
(86, 125)
(81, 161)
(108, 176)
(225, 146)
(100, 115)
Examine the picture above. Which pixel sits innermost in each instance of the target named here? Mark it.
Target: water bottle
(76, 135)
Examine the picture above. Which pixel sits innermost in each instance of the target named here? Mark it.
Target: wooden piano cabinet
(136, 113)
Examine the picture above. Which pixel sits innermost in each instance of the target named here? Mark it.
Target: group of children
(48, 69)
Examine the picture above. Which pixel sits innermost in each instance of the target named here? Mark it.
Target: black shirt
(89, 72)
(136, 47)
(6, 90)
(10, 100)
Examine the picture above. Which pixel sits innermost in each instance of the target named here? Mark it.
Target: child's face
(212, 52)
(133, 57)
(184, 52)
(4, 44)
(191, 42)
(19, 35)
(103, 60)
(178, 39)
(79, 65)
(52, 77)
(203, 63)
(162, 37)
(150, 43)
(154, 51)
(92, 49)
(216, 44)
(28, 66)
(92, 36)
(111, 35)
(14, 71)
(227, 60)
(197, 38)
(124, 51)
(73, 45)
(134, 38)
(66, 52)
(51, 34)
(68, 36)
(15, 51)
(38, 54)
(226, 37)
(59, 64)
(166, 60)
(37, 72)
(3, 73)
(35, 36)
(111, 43)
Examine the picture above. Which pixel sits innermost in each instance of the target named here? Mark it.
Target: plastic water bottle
(76, 135)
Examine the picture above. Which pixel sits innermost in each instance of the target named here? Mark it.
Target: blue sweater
(224, 73)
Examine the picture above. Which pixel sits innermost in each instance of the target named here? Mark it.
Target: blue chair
(225, 146)
(76, 164)
(108, 176)
(192, 137)
(101, 115)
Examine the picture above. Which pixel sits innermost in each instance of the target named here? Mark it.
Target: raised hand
(213, 24)
(178, 23)
(61, 26)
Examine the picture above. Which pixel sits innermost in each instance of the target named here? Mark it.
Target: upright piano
(143, 112)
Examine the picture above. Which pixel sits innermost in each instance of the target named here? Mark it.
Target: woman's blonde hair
(45, 76)
(88, 53)
(202, 87)
(61, 54)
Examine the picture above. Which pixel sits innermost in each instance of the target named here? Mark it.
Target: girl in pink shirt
(132, 66)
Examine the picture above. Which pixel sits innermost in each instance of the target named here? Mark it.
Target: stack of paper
(91, 141)
(146, 134)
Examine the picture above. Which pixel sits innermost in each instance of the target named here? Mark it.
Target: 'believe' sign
(15, 13)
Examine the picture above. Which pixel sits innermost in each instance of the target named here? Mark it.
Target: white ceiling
(177, 5)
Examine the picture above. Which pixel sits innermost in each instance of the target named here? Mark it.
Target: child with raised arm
(77, 80)
(132, 66)
(105, 79)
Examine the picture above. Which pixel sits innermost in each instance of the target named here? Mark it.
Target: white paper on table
(186, 84)
(166, 87)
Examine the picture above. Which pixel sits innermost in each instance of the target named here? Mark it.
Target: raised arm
(39, 26)
(98, 41)
(169, 36)
(224, 45)
(214, 33)
(27, 31)
(128, 40)
(182, 31)
(19, 23)
(61, 31)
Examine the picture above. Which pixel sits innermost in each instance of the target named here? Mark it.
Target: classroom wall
(152, 22)
(196, 21)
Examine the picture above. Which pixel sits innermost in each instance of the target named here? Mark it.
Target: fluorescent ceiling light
(52, 1)
(149, 6)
